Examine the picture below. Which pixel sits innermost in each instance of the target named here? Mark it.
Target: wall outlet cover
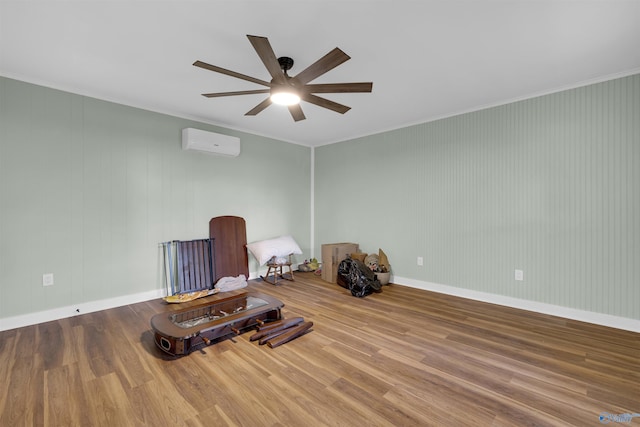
(47, 279)
(519, 275)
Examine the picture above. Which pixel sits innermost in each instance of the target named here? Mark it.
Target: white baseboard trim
(624, 323)
(8, 323)
(77, 309)
(617, 322)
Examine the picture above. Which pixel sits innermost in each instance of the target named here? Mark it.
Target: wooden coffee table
(179, 332)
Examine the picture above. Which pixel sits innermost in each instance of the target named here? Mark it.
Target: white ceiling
(427, 59)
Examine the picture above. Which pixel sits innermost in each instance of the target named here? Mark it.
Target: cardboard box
(332, 255)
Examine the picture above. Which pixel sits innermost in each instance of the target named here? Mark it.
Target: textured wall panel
(88, 189)
(548, 185)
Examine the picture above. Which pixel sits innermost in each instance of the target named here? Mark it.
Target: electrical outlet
(47, 279)
(420, 261)
(519, 275)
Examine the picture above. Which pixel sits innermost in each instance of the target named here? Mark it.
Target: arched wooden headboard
(230, 246)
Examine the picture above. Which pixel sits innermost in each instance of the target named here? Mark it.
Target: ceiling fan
(287, 90)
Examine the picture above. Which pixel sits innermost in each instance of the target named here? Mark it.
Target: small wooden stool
(277, 271)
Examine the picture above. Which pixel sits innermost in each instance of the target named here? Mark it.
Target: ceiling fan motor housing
(285, 63)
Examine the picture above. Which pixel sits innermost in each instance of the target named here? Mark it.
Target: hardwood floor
(403, 357)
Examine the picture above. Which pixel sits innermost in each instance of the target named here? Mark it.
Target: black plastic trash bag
(357, 277)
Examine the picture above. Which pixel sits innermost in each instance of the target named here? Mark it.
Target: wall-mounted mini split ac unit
(209, 142)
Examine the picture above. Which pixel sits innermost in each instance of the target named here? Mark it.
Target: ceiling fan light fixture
(285, 98)
(290, 90)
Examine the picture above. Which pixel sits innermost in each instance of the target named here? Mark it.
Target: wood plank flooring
(403, 357)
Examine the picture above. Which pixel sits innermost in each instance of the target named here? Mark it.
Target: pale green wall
(89, 188)
(549, 185)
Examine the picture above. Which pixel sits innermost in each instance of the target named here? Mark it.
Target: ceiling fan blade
(240, 92)
(323, 102)
(296, 112)
(328, 62)
(265, 52)
(230, 73)
(339, 87)
(258, 108)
